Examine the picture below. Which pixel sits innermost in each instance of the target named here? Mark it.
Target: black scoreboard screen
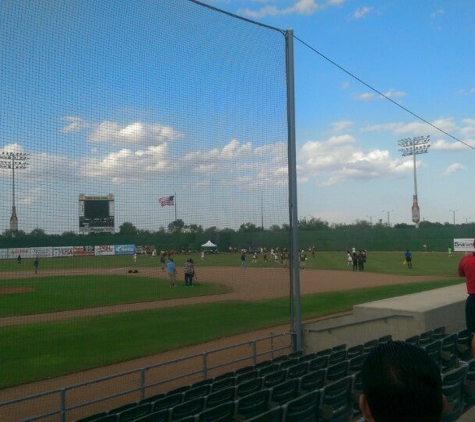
(96, 209)
(96, 214)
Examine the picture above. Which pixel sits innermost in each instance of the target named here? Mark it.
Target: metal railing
(94, 396)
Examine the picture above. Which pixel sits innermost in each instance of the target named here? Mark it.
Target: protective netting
(142, 101)
(128, 129)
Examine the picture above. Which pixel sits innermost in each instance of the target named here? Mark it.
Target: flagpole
(175, 206)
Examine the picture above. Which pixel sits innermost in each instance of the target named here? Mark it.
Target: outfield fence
(98, 395)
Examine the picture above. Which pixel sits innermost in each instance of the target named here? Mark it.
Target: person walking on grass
(408, 256)
(189, 272)
(36, 263)
(171, 268)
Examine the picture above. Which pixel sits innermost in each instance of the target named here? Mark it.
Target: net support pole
(296, 322)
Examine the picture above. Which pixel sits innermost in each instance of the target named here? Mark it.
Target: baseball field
(78, 314)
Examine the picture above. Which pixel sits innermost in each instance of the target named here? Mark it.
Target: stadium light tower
(415, 146)
(14, 161)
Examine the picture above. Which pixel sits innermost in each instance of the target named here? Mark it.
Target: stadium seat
(295, 355)
(288, 363)
(336, 402)
(178, 390)
(356, 391)
(262, 372)
(354, 351)
(223, 384)
(134, 412)
(448, 352)
(249, 387)
(160, 416)
(92, 417)
(273, 415)
(187, 408)
(320, 362)
(221, 396)
(336, 357)
(252, 405)
(153, 398)
(452, 388)
(425, 338)
(303, 408)
(244, 370)
(263, 364)
(469, 384)
(355, 364)
(324, 352)
(121, 408)
(463, 345)
(313, 380)
(284, 392)
(167, 402)
(226, 375)
(385, 339)
(196, 392)
(298, 370)
(275, 378)
(280, 359)
(336, 372)
(222, 413)
(438, 333)
(413, 340)
(433, 349)
(369, 345)
(108, 417)
(244, 377)
(338, 348)
(308, 357)
(207, 381)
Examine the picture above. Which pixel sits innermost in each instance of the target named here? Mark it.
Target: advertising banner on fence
(63, 251)
(43, 252)
(104, 250)
(124, 249)
(13, 253)
(3, 253)
(83, 250)
(463, 245)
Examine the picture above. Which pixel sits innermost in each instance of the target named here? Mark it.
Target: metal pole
(296, 323)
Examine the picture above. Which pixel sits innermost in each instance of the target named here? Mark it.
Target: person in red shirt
(466, 269)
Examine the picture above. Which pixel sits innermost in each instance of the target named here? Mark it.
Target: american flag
(166, 200)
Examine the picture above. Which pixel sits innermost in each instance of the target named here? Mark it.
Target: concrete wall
(402, 317)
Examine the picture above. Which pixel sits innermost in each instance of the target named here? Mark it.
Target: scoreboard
(96, 214)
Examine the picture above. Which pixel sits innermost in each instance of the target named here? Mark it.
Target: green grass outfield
(424, 263)
(38, 351)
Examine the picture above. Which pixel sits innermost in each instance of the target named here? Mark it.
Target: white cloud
(453, 169)
(443, 145)
(341, 125)
(436, 13)
(75, 124)
(337, 160)
(300, 7)
(361, 12)
(136, 133)
(416, 128)
(368, 96)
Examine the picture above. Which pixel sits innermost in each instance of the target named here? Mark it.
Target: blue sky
(420, 54)
(105, 102)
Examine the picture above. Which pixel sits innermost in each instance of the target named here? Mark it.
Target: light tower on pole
(14, 161)
(415, 146)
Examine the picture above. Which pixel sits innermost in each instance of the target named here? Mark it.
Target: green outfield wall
(375, 239)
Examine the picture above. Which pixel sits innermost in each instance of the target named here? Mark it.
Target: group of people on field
(356, 259)
(188, 272)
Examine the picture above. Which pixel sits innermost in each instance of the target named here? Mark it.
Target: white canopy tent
(209, 244)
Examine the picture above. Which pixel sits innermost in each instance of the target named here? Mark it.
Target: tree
(176, 226)
(247, 227)
(211, 230)
(194, 228)
(128, 229)
(70, 233)
(313, 224)
(8, 233)
(37, 233)
(274, 228)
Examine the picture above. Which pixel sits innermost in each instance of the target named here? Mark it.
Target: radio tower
(14, 161)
